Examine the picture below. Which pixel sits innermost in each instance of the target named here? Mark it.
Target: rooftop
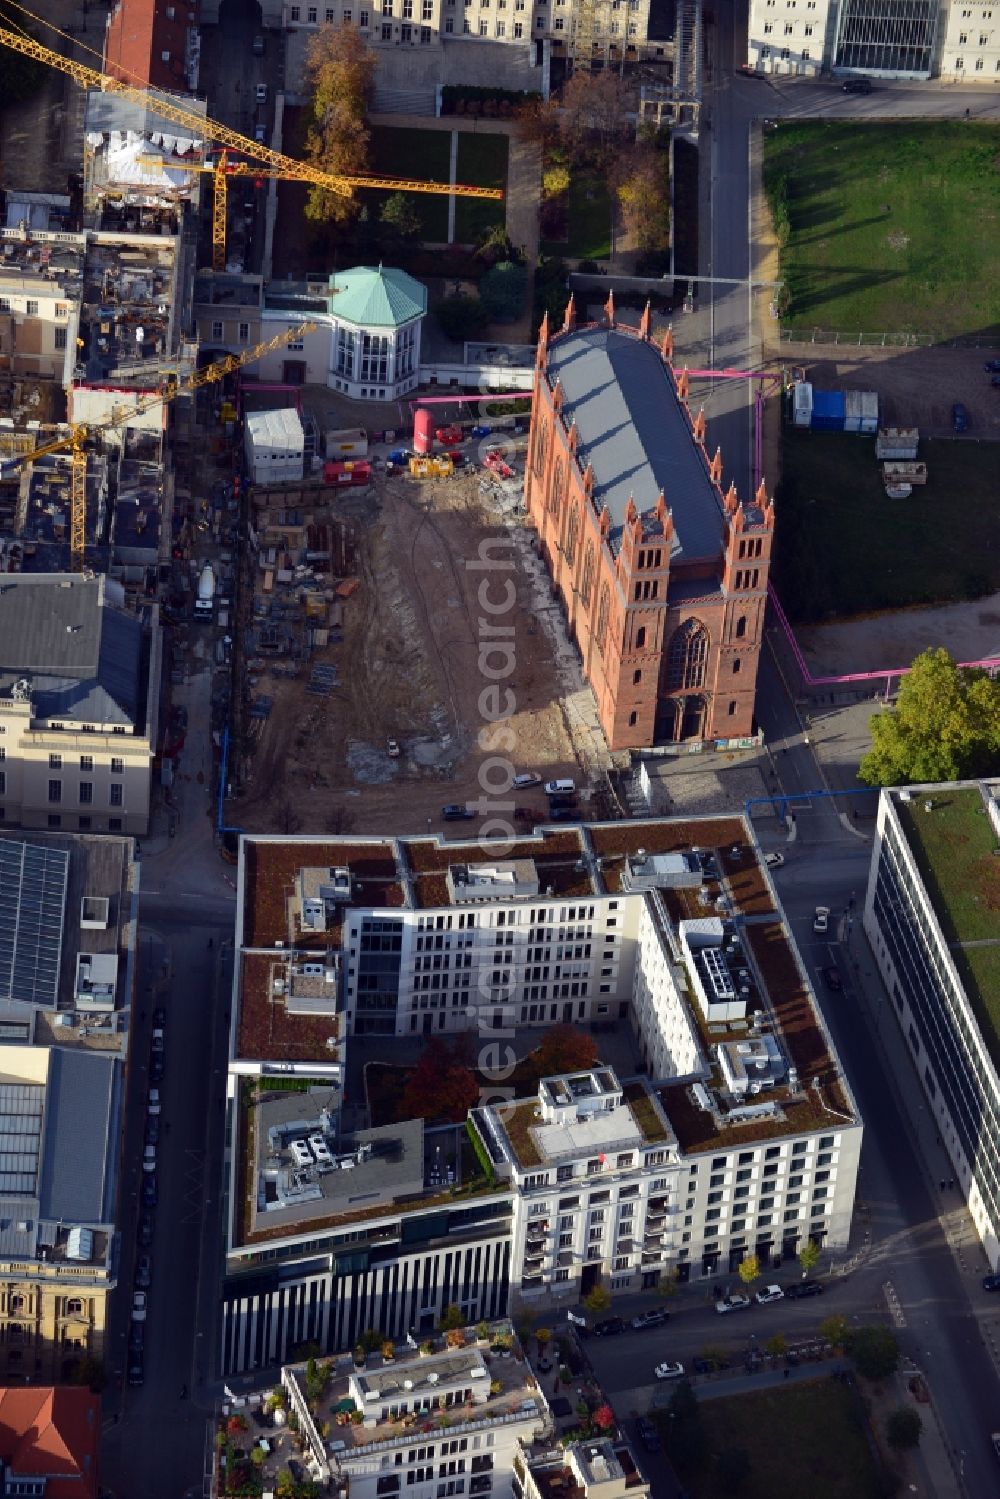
(129, 296)
(636, 432)
(81, 657)
(51, 1433)
(955, 847)
(368, 296)
(53, 256)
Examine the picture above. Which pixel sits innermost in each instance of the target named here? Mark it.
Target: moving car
(609, 1327)
(139, 1306)
(774, 861)
(456, 812)
(655, 1318)
(959, 417)
(732, 1304)
(768, 1294)
(803, 1288)
(392, 749)
(669, 1371)
(857, 86)
(821, 920)
(260, 93)
(526, 778)
(647, 1434)
(832, 979)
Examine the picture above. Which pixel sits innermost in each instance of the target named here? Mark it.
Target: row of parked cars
(796, 1291)
(561, 794)
(149, 1198)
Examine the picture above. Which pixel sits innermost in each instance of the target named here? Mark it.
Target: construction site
(358, 655)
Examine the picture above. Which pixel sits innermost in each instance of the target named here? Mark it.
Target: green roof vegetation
(954, 847)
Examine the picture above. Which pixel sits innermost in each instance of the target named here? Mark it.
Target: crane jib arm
(202, 127)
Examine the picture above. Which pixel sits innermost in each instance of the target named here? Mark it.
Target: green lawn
(803, 1439)
(843, 547)
(588, 225)
(893, 226)
(422, 155)
(482, 162)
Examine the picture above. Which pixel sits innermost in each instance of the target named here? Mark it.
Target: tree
(452, 1319)
(666, 1286)
(834, 1330)
(538, 123)
(604, 1417)
(285, 1484)
(461, 317)
(945, 725)
(594, 117)
(555, 180)
(501, 291)
(339, 69)
(875, 1352)
(733, 1468)
(495, 244)
(598, 1300)
(564, 1049)
(903, 1428)
(749, 1269)
(809, 1256)
(644, 198)
(777, 1345)
(257, 1456)
(399, 213)
(442, 1088)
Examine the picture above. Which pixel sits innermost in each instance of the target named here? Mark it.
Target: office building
(79, 702)
(724, 1127)
(932, 919)
(661, 573)
(906, 39)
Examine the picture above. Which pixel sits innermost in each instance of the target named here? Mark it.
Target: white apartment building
(732, 1132)
(493, 1411)
(934, 931)
(79, 695)
(894, 39)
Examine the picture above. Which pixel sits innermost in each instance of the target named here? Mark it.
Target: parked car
(150, 1194)
(832, 978)
(732, 1304)
(136, 1371)
(799, 1290)
(260, 93)
(654, 1318)
(392, 749)
(157, 1067)
(159, 1018)
(136, 1336)
(992, 366)
(609, 1327)
(153, 1129)
(669, 1371)
(260, 134)
(525, 779)
(153, 1101)
(146, 1228)
(149, 1158)
(821, 920)
(561, 803)
(747, 70)
(258, 46)
(857, 86)
(991, 1282)
(767, 1294)
(647, 1434)
(480, 431)
(711, 1365)
(159, 1041)
(562, 787)
(456, 812)
(774, 861)
(995, 381)
(143, 1272)
(563, 814)
(959, 417)
(995, 1439)
(139, 1303)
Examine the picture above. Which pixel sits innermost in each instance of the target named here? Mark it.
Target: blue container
(829, 411)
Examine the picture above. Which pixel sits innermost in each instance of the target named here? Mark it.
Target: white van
(565, 787)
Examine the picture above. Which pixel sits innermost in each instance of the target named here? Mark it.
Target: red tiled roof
(52, 1431)
(140, 32)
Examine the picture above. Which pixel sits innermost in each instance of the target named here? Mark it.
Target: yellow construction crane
(76, 438)
(201, 126)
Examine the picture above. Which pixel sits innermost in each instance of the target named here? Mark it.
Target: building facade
(153, 44)
(705, 1153)
(79, 695)
(662, 575)
(915, 39)
(941, 988)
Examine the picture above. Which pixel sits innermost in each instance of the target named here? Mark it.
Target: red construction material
(357, 471)
(423, 432)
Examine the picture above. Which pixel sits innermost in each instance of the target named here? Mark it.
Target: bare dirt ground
(916, 387)
(968, 631)
(410, 667)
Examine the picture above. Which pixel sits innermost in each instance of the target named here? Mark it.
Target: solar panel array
(21, 1106)
(33, 884)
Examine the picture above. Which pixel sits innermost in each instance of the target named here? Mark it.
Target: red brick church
(662, 574)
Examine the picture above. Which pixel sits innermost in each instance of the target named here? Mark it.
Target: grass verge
(482, 162)
(422, 155)
(588, 220)
(888, 226)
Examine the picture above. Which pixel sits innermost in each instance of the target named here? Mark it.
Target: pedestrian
(943, 1184)
(951, 1183)
(966, 114)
